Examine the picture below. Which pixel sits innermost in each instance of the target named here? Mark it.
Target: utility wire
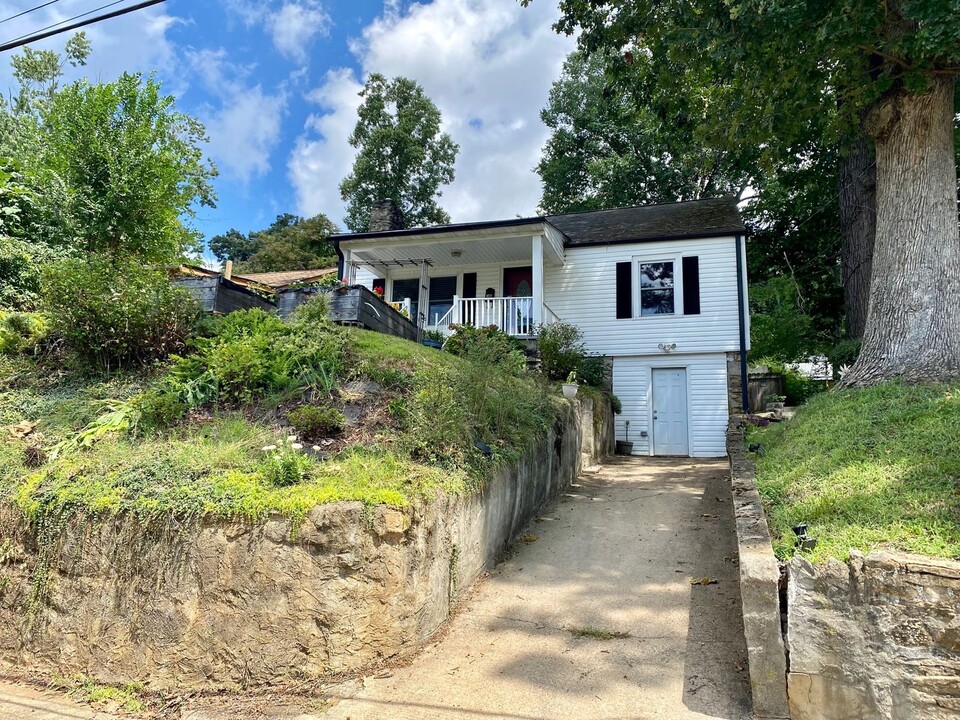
(27, 12)
(75, 17)
(40, 34)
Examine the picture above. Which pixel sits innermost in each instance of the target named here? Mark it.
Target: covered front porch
(449, 276)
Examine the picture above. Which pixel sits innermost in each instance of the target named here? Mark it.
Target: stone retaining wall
(759, 586)
(232, 604)
(875, 637)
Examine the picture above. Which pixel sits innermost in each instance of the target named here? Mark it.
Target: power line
(27, 12)
(75, 17)
(40, 34)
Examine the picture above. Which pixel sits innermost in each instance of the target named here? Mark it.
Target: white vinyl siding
(706, 400)
(583, 292)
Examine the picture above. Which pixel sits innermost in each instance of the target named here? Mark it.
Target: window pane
(656, 275)
(656, 302)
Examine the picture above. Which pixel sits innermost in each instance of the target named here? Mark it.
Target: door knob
(654, 414)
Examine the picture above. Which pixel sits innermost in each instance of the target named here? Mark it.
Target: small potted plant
(775, 402)
(571, 386)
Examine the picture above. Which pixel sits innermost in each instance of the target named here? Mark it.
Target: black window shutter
(691, 285)
(624, 290)
(469, 285)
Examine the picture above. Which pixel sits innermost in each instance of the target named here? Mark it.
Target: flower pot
(624, 448)
(570, 390)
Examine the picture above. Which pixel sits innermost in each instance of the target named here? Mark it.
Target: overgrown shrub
(593, 371)
(252, 354)
(488, 345)
(797, 387)
(115, 314)
(317, 421)
(454, 406)
(21, 332)
(561, 350)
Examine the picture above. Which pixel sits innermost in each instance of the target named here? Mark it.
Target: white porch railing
(404, 307)
(512, 315)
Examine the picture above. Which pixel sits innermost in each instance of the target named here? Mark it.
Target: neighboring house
(661, 290)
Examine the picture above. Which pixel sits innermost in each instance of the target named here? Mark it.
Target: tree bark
(913, 322)
(858, 226)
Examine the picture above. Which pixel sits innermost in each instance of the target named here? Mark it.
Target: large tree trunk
(913, 323)
(858, 226)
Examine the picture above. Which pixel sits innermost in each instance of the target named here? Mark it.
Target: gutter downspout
(340, 258)
(742, 316)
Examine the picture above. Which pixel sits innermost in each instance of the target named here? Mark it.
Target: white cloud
(487, 64)
(295, 25)
(292, 25)
(245, 128)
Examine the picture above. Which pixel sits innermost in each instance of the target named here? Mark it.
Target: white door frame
(686, 374)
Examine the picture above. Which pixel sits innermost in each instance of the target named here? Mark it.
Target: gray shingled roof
(694, 218)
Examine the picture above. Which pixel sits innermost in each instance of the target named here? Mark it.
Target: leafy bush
(21, 332)
(488, 345)
(252, 354)
(115, 314)
(316, 421)
(798, 387)
(561, 350)
(593, 371)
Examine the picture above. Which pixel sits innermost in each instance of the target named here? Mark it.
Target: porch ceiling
(458, 253)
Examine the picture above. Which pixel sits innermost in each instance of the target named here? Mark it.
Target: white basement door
(670, 436)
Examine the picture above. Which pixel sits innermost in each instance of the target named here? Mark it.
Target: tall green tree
(612, 149)
(889, 68)
(402, 155)
(107, 168)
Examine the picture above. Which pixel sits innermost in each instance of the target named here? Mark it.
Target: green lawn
(866, 469)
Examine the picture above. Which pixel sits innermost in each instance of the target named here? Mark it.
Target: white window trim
(677, 260)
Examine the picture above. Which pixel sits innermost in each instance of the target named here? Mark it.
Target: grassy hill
(261, 416)
(866, 469)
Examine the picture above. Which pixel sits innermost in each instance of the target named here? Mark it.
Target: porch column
(423, 299)
(348, 274)
(537, 257)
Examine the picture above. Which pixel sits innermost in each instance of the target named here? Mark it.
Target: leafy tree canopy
(402, 155)
(109, 168)
(610, 149)
(290, 243)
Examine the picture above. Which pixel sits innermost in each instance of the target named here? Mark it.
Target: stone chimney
(384, 216)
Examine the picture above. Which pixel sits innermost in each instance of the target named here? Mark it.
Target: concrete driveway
(542, 637)
(614, 556)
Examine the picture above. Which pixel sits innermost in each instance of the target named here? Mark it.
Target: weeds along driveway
(614, 556)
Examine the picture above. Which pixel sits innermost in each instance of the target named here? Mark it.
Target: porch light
(456, 253)
(667, 347)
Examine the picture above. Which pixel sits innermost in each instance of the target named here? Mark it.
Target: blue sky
(276, 82)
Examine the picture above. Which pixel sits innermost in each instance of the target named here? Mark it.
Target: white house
(661, 290)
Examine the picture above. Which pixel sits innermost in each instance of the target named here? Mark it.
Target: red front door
(518, 282)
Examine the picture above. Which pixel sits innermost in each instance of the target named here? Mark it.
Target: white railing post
(537, 265)
(457, 315)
